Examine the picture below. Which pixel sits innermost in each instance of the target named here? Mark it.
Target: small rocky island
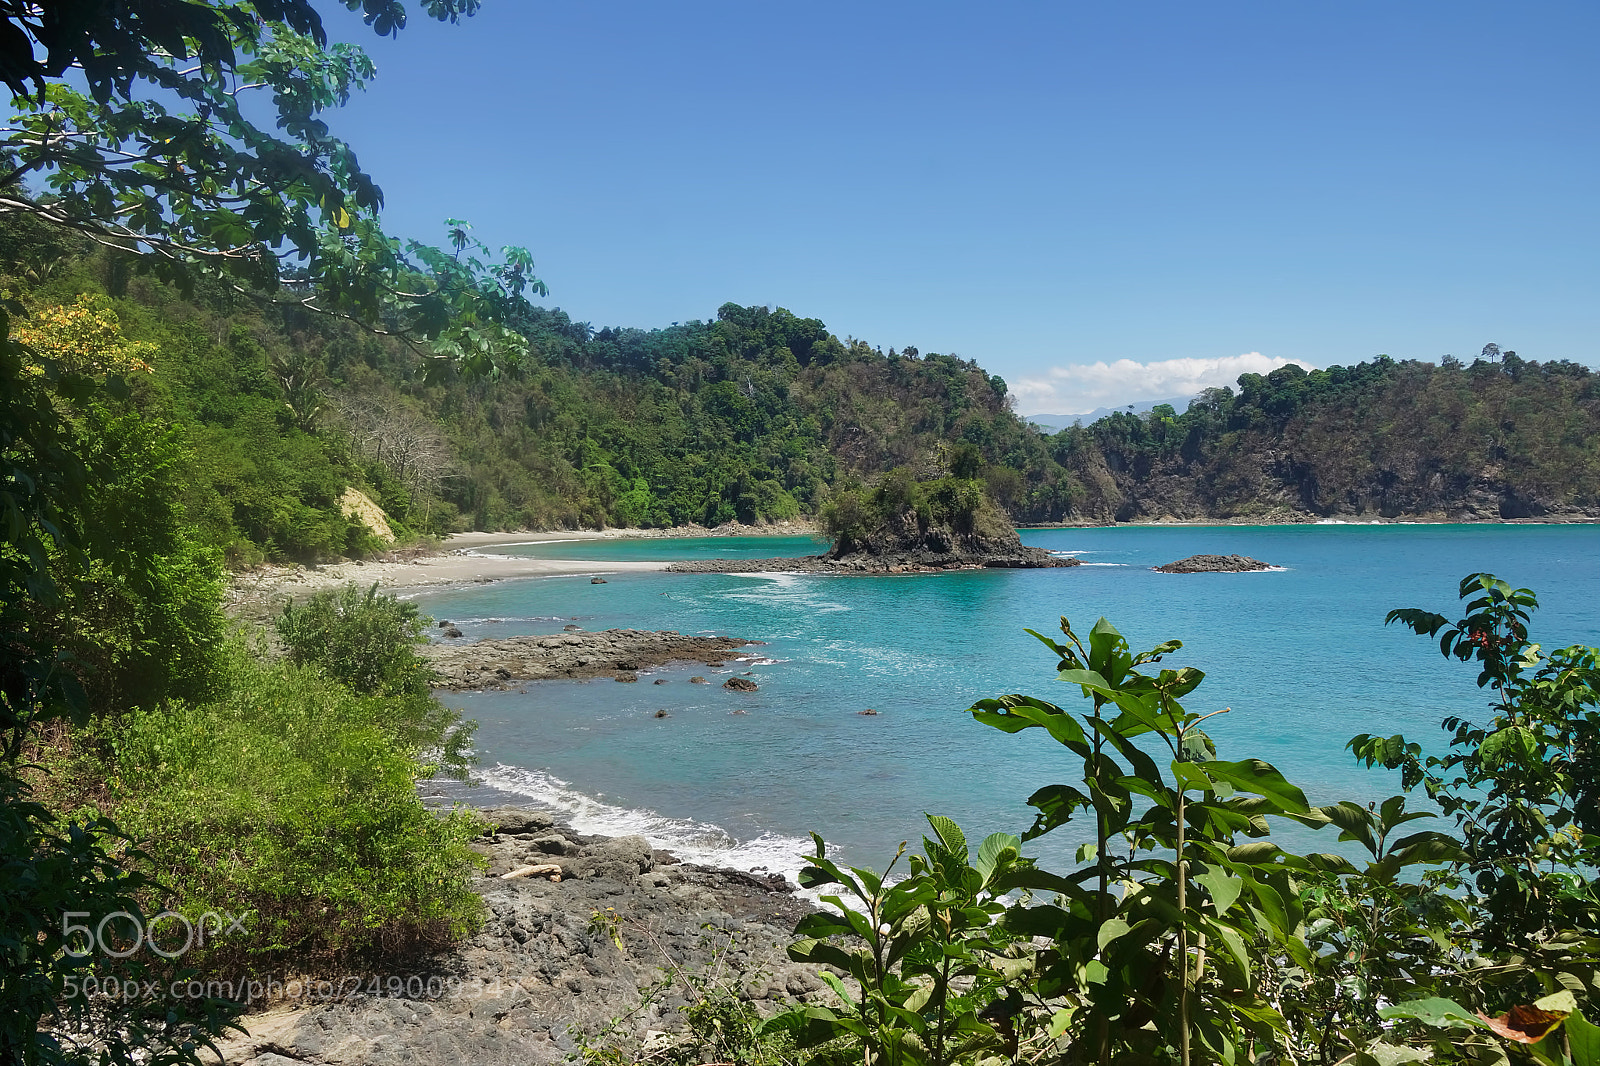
(1214, 564)
(904, 526)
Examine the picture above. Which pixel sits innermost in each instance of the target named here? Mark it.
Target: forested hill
(758, 415)
(1503, 437)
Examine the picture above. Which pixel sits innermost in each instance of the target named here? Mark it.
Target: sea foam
(690, 840)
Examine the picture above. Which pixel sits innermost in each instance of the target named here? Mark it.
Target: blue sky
(1101, 203)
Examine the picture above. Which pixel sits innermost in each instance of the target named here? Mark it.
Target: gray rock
(618, 653)
(1214, 564)
(517, 820)
(544, 967)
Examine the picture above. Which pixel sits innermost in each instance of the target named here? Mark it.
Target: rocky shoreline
(626, 933)
(615, 653)
(889, 563)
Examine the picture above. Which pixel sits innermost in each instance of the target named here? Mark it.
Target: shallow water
(1300, 655)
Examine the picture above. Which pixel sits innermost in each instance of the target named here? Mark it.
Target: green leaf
(1056, 805)
(1104, 643)
(1563, 1001)
(838, 987)
(1222, 887)
(1013, 714)
(1190, 777)
(1109, 931)
(1262, 779)
(1435, 1011)
(949, 834)
(1255, 853)
(1378, 1053)
(1512, 742)
(1235, 944)
(997, 851)
(821, 953)
(813, 876)
(1583, 1038)
(1144, 710)
(1089, 679)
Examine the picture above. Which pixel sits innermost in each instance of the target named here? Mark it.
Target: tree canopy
(134, 124)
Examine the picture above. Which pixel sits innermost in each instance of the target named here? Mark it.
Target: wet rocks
(740, 684)
(618, 653)
(1214, 564)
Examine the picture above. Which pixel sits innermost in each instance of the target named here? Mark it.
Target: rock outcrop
(900, 546)
(1214, 564)
(616, 653)
(554, 961)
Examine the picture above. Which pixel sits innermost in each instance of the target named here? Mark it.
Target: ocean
(1299, 655)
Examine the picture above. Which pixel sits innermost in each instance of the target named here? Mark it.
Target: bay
(1299, 655)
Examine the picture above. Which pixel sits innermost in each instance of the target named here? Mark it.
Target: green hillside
(760, 415)
(1502, 438)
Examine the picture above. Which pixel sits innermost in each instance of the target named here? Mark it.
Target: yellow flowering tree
(83, 337)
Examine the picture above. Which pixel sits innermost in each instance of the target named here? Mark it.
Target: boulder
(517, 821)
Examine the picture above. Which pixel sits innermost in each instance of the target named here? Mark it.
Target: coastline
(1312, 520)
(461, 560)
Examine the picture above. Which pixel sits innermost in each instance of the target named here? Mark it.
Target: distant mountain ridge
(1056, 423)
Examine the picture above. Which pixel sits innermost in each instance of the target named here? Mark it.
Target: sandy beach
(461, 559)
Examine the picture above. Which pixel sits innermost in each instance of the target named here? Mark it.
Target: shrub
(362, 640)
(367, 643)
(291, 799)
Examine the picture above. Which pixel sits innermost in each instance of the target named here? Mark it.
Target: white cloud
(1072, 390)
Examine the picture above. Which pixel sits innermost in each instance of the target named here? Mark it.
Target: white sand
(460, 561)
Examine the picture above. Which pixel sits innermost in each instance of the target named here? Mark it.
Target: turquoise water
(1300, 655)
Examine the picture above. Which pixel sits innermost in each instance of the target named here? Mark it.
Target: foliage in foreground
(274, 793)
(1186, 935)
(291, 801)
